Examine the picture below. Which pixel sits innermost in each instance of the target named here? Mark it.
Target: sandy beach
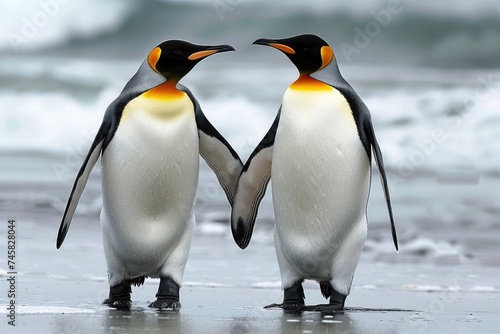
(224, 310)
(225, 290)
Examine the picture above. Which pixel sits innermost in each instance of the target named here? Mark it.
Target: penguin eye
(178, 52)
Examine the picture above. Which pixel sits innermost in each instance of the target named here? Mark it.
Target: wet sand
(223, 310)
(225, 290)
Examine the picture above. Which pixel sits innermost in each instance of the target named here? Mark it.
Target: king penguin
(318, 152)
(149, 142)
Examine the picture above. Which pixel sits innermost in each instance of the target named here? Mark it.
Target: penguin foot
(294, 296)
(337, 300)
(288, 308)
(336, 304)
(293, 300)
(274, 306)
(325, 309)
(167, 296)
(166, 304)
(123, 305)
(119, 296)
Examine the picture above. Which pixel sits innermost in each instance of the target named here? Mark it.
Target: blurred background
(427, 70)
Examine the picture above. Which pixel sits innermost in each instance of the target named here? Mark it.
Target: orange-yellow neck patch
(165, 91)
(306, 83)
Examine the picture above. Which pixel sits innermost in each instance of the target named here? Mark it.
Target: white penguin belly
(320, 179)
(149, 179)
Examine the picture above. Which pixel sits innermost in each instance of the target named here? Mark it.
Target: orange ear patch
(283, 47)
(326, 56)
(153, 57)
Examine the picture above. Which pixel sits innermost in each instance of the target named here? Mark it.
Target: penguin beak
(277, 44)
(264, 41)
(210, 50)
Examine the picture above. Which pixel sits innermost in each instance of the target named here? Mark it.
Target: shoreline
(238, 310)
(225, 289)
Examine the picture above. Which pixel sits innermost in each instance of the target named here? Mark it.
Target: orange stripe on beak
(153, 57)
(326, 56)
(283, 47)
(202, 54)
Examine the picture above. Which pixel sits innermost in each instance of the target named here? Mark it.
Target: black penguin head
(174, 59)
(309, 53)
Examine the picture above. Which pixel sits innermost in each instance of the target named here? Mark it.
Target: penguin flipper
(251, 188)
(219, 156)
(217, 152)
(81, 180)
(370, 133)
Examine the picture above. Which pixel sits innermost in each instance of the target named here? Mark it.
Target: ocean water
(427, 71)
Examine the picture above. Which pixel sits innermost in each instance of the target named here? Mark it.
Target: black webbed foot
(293, 300)
(167, 296)
(336, 304)
(119, 296)
(337, 300)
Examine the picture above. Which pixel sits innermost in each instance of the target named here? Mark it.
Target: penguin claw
(166, 304)
(123, 305)
(325, 308)
(274, 306)
(167, 297)
(288, 308)
(298, 308)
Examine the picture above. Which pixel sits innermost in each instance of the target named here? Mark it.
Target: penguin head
(174, 59)
(309, 53)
